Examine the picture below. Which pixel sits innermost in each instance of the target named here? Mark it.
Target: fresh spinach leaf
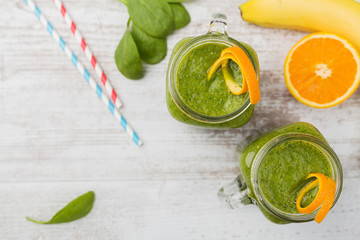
(154, 17)
(152, 50)
(76, 209)
(127, 57)
(153, 21)
(181, 15)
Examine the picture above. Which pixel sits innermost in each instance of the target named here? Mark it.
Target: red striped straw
(90, 56)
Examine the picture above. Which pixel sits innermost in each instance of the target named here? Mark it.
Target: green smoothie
(211, 98)
(284, 167)
(207, 98)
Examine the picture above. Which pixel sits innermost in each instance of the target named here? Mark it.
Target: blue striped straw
(84, 72)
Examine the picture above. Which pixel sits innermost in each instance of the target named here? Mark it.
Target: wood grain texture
(58, 141)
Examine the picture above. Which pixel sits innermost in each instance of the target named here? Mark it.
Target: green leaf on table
(181, 15)
(154, 17)
(76, 209)
(127, 57)
(152, 50)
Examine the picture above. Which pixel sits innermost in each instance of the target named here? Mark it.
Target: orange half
(322, 70)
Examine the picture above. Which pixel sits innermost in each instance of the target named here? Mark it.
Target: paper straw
(85, 73)
(90, 56)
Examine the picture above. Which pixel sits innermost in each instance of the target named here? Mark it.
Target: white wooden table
(58, 141)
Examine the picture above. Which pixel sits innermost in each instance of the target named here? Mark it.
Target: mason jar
(176, 101)
(247, 187)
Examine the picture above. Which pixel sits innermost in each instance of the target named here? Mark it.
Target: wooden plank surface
(58, 141)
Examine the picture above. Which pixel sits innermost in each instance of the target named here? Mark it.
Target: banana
(341, 17)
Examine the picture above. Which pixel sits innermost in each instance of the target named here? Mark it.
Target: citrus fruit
(322, 70)
(324, 198)
(251, 82)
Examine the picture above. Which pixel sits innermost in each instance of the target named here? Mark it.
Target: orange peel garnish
(328, 202)
(230, 81)
(250, 80)
(325, 196)
(320, 196)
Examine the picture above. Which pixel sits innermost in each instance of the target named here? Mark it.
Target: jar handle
(234, 195)
(218, 24)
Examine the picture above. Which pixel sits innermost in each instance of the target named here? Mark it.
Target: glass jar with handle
(274, 169)
(194, 100)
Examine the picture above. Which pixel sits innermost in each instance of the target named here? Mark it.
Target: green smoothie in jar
(285, 167)
(194, 100)
(274, 169)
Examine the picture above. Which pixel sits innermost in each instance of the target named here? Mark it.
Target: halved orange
(322, 70)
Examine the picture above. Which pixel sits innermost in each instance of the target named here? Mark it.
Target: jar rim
(171, 78)
(317, 142)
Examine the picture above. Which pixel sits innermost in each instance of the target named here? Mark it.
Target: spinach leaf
(154, 17)
(152, 50)
(76, 209)
(127, 57)
(181, 15)
(153, 21)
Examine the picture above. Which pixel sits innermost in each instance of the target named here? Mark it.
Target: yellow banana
(341, 17)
